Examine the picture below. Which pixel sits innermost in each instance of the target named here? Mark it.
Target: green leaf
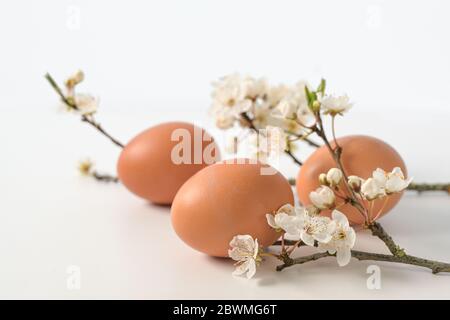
(321, 87)
(308, 95)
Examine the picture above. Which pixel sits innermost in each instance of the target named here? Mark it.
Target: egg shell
(361, 156)
(227, 199)
(147, 169)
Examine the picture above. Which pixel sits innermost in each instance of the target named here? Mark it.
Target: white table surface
(52, 218)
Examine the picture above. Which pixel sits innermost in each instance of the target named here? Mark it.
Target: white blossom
(342, 240)
(295, 105)
(229, 100)
(287, 108)
(334, 176)
(335, 104)
(262, 116)
(371, 189)
(255, 88)
(224, 119)
(323, 197)
(245, 251)
(390, 182)
(86, 104)
(286, 218)
(315, 228)
(355, 183)
(396, 182)
(267, 143)
(305, 115)
(380, 177)
(276, 93)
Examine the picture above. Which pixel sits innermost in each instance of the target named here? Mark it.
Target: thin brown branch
(305, 139)
(104, 177)
(96, 125)
(422, 187)
(378, 231)
(294, 158)
(434, 266)
(85, 118)
(419, 187)
(288, 243)
(336, 153)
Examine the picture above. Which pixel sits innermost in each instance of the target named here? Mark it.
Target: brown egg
(361, 156)
(156, 163)
(227, 199)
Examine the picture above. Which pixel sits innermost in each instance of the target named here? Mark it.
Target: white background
(154, 61)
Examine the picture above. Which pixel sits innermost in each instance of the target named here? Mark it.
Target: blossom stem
(286, 242)
(333, 117)
(336, 154)
(268, 254)
(386, 200)
(85, 118)
(294, 246)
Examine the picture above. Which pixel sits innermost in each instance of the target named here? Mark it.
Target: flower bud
(334, 176)
(323, 179)
(323, 198)
(85, 167)
(75, 79)
(355, 183)
(315, 106)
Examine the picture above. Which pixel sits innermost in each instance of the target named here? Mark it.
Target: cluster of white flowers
(286, 107)
(327, 234)
(312, 229)
(381, 183)
(86, 104)
(265, 105)
(334, 235)
(286, 111)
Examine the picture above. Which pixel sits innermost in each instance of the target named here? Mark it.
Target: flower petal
(343, 256)
(287, 208)
(307, 239)
(351, 237)
(340, 218)
(251, 268)
(323, 237)
(379, 175)
(241, 268)
(271, 221)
